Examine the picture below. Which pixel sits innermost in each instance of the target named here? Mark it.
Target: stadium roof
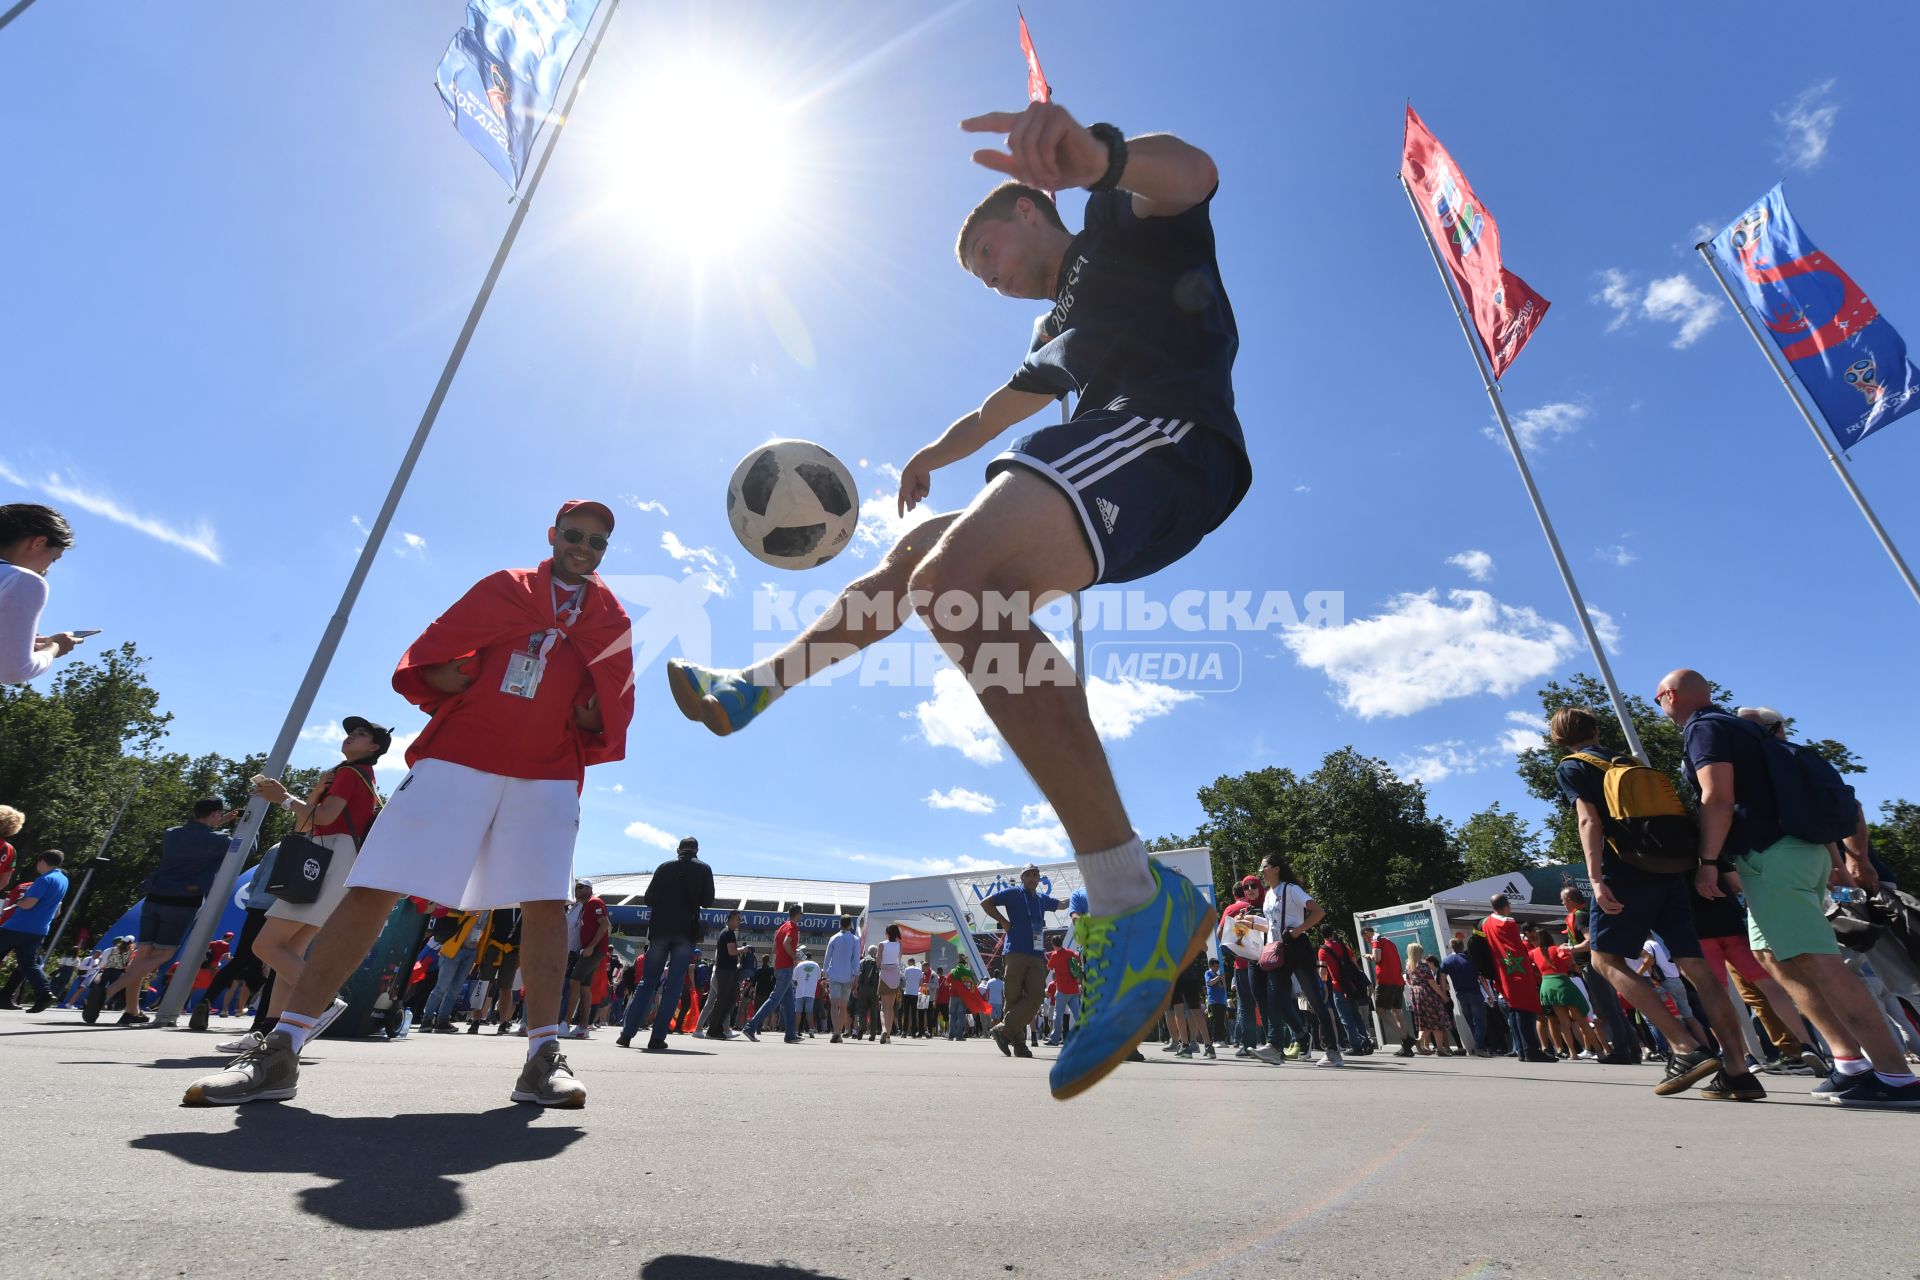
(750, 893)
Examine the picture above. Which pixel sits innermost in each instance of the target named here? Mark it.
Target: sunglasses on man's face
(576, 537)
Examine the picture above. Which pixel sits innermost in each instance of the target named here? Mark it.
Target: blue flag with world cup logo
(503, 70)
(1849, 358)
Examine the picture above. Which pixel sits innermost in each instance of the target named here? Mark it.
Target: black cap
(688, 847)
(382, 737)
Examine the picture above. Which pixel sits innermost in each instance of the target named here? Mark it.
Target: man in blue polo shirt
(26, 928)
(1022, 913)
(1785, 881)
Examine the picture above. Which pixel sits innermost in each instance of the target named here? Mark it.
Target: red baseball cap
(587, 505)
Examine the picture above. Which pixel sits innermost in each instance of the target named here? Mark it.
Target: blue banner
(503, 70)
(1848, 356)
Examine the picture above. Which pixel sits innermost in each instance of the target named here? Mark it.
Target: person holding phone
(32, 539)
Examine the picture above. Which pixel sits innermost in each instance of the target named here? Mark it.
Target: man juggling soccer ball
(1141, 330)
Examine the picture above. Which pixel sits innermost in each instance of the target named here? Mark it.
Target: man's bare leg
(1838, 1003)
(146, 961)
(1721, 1014)
(1022, 540)
(1647, 1001)
(543, 961)
(338, 949)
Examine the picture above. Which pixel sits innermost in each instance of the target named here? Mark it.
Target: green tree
(1495, 842)
(1358, 835)
(72, 753)
(1896, 839)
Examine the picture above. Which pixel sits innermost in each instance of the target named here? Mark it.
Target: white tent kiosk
(939, 915)
(1534, 893)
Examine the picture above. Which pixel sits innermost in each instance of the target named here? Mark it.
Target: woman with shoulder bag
(335, 816)
(1291, 912)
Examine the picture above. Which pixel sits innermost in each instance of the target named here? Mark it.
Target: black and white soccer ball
(792, 504)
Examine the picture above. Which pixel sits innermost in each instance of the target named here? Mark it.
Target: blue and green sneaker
(724, 701)
(1131, 962)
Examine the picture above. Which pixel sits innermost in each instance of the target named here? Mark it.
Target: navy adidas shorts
(1146, 489)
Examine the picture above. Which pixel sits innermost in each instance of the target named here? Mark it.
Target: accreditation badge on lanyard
(526, 667)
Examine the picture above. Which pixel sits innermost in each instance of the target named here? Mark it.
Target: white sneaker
(1270, 1055)
(240, 1044)
(578, 1033)
(1333, 1059)
(1586, 1055)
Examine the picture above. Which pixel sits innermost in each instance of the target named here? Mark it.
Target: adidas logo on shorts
(1109, 512)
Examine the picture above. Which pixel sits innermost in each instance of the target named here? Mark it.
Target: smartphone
(82, 635)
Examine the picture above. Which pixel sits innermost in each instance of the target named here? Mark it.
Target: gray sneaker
(269, 1072)
(549, 1081)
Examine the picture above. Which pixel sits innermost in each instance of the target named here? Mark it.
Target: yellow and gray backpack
(1647, 826)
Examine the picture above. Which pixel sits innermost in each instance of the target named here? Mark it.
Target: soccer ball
(792, 504)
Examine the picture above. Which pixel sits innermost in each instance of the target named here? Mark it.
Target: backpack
(1646, 824)
(1353, 983)
(1813, 801)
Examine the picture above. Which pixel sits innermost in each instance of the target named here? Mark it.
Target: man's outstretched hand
(1046, 147)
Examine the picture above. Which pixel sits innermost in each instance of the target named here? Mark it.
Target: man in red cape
(1519, 977)
(528, 679)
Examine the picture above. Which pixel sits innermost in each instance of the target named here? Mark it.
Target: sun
(700, 159)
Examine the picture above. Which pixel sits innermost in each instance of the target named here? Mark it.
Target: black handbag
(300, 868)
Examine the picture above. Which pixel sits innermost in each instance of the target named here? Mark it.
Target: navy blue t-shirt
(1711, 736)
(190, 854)
(1141, 320)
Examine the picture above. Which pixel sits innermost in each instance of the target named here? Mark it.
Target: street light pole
(100, 859)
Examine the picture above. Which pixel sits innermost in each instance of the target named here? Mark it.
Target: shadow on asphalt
(387, 1173)
(682, 1266)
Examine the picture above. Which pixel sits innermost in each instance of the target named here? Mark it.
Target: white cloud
(199, 540)
(647, 833)
(1678, 300)
(1421, 652)
(1704, 231)
(1478, 564)
(11, 476)
(1617, 555)
(645, 504)
(1606, 628)
(1439, 760)
(1118, 707)
(411, 543)
(392, 766)
(962, 799)
(715, 569)
(1618, 292)
(881, 523)
(1545, 423)
(1805, 125)
(1674, 300)
(1039, 836)
(953, 717)
(1525, 735)
(1302, 488)
(903, 867)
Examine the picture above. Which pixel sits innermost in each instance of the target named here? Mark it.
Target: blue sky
(242, 239)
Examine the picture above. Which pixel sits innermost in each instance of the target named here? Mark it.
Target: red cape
(504, 608)
(1519, 976)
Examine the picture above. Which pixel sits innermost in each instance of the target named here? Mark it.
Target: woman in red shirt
(336, 813)
(1567, 1027)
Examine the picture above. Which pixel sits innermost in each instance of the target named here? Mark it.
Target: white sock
(1895, 1079)
(538, 1037)
(1852, 1066)
(1118, 879)
(298, 1027)
(761, 675)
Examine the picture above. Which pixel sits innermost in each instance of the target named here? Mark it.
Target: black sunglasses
(576, 537)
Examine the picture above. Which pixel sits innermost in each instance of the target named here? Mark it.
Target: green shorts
(1786, 891)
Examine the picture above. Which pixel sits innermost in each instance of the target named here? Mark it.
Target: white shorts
(473, 841)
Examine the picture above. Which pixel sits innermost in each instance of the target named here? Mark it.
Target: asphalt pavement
(922, 1160)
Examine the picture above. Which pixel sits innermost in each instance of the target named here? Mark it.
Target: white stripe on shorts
(1116, 446)
(1095, 443)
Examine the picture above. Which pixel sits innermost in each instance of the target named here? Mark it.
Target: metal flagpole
(1533, 493)
(196, 943)
(1826, 446)
(14, 12)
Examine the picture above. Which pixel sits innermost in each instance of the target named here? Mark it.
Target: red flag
(1505, 309)
(1037, 89)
